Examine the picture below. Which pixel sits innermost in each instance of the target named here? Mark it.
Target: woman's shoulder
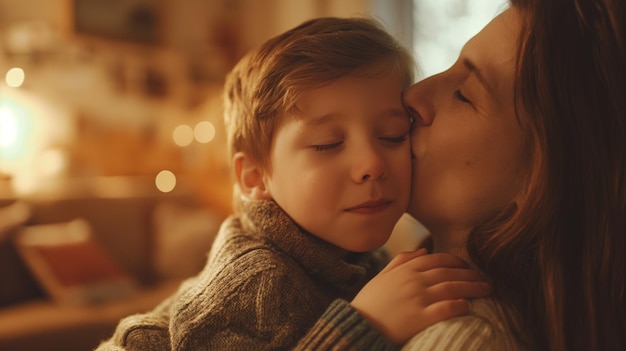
(482, 329)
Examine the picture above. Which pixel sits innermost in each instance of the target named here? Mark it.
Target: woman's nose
(417, 100)
(370, 165)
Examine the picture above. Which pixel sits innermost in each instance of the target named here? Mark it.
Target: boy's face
(342, 167)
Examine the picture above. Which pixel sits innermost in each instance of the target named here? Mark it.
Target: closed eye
(327, 147)
(395, 140)
(459, 96)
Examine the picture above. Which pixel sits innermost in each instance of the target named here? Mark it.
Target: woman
(521, 170)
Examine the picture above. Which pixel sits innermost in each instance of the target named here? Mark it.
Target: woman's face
(467, 141)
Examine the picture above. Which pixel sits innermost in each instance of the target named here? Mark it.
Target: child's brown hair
(267, 82)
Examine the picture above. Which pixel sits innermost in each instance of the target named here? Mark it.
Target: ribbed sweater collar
(348, 273)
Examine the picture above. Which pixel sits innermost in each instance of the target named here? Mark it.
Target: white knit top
(481, 330)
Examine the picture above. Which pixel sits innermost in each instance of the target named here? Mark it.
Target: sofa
(158, 239)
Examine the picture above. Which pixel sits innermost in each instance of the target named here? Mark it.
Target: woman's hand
(417, 290)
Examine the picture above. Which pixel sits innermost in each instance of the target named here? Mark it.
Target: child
(321, 155)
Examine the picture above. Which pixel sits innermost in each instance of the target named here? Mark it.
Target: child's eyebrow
(393, 113)
(313, 121)
(316, 121)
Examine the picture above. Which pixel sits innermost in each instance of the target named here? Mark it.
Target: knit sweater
(483, 329)
(265, 284)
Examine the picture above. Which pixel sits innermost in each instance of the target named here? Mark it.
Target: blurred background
(110, 113)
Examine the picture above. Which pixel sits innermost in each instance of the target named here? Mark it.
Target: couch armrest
(44, 325)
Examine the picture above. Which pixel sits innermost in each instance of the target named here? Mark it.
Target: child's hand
(417, 290)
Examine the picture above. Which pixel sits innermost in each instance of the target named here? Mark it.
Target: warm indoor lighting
(52, 162)
(165, 181)
(26, 132)
(15, 126)
(183, 135)
(8, 128)
(204, 132)
(15, 77)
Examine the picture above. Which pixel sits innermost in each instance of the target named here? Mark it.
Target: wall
(115, 105)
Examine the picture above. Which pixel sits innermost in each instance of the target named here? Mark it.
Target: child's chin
(367, 245)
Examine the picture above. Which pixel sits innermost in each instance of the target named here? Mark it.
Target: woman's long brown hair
(557, 257)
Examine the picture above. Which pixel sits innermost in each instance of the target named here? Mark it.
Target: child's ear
(250, 177)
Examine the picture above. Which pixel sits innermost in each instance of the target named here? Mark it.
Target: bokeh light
(165, 181)
(16, 124)
(183, 135)
(8, 127)
(15, 77)
(204, 132)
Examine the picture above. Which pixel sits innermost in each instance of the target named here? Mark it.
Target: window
(442, 27)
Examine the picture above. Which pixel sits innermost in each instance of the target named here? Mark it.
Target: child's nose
(370, 165)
